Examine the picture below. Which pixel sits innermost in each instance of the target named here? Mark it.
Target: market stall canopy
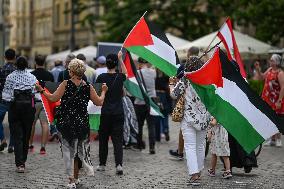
(246, 44)
(90, 52)
(57, 56)
(177, 42)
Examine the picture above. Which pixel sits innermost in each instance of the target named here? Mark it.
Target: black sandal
(194, 182)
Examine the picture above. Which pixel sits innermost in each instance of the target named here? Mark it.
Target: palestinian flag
(150, 43)
(228, 98)
(49, 107)
(134, 86)
(227, 36)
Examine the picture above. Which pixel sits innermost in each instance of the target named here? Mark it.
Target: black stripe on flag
(231, 72)
(156, 31)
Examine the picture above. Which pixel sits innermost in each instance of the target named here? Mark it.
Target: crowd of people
(119, 115)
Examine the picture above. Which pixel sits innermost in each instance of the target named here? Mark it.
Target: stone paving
(141, 170)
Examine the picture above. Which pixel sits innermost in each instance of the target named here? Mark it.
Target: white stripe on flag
(133, 79)
(163, 50)
(238, 99)
(153, 112)
(226, 32)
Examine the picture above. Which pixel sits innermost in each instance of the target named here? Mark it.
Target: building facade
(21, 31)
(44, 26)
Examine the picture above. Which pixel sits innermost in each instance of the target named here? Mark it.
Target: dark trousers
(111, 125)
(21, 117)
(143, 114)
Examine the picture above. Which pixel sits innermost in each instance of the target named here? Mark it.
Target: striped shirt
(19, 79)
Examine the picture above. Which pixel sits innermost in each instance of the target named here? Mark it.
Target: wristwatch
(41, 92)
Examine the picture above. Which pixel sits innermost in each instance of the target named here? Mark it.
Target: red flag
(226, 34)
(210, 73)
(49, 106)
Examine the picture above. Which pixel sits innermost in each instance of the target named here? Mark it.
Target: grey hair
(277, 58)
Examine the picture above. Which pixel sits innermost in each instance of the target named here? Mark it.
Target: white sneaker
(77, 181)
(278, 143)
(119, 170)
(101, 168)
(71, 185)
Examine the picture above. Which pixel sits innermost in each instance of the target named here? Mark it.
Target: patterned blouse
(195, 113)
(18, 79)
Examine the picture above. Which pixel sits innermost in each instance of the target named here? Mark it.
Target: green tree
(189, 19)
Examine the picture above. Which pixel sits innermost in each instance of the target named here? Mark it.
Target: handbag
(178, 111)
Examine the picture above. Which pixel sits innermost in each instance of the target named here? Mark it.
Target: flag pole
(132, 29)
(216, 35)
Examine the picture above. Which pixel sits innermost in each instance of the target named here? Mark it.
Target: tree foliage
(189, 19)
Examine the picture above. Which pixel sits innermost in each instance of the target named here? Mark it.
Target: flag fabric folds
(134, 86)
(149, 42)
(49, 106)
(228, 98)
(227, 36)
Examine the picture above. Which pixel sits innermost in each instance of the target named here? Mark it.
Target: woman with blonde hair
(73, 119)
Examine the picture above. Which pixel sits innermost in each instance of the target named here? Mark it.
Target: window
(66, 14)
(57, 15)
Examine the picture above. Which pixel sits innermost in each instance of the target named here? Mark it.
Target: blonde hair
(77, 67)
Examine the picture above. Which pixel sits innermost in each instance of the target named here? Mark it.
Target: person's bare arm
(56, 95)
(281, 94)
(98, 100)
(123, 68)
(259, 72)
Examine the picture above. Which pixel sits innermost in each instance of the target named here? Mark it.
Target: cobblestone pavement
(141, 170)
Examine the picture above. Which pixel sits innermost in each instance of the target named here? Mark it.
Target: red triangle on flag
(210, 73)
(128, 67)
(139, 36)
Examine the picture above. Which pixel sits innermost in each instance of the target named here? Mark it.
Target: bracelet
(171, 84)
(41, 92)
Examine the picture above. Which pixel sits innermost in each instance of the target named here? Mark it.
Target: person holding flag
(194, 123)
(112, 114)
(73, 119)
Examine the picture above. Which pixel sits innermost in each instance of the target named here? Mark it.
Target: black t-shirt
(42, 75)
(113, 99)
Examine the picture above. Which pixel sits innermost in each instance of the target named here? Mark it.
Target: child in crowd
(219, 147)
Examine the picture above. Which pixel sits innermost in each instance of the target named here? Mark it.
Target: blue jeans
(162, 126)
(4, 107)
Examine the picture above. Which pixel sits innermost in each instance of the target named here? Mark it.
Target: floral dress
(219, 141)
(271, 90)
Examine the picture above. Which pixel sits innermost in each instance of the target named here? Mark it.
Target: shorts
(40, 112)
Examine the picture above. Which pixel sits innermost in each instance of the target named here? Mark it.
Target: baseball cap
(101, 59)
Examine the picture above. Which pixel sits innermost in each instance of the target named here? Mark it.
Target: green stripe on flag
(133, 89)
(228, 116)
(154, 59)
